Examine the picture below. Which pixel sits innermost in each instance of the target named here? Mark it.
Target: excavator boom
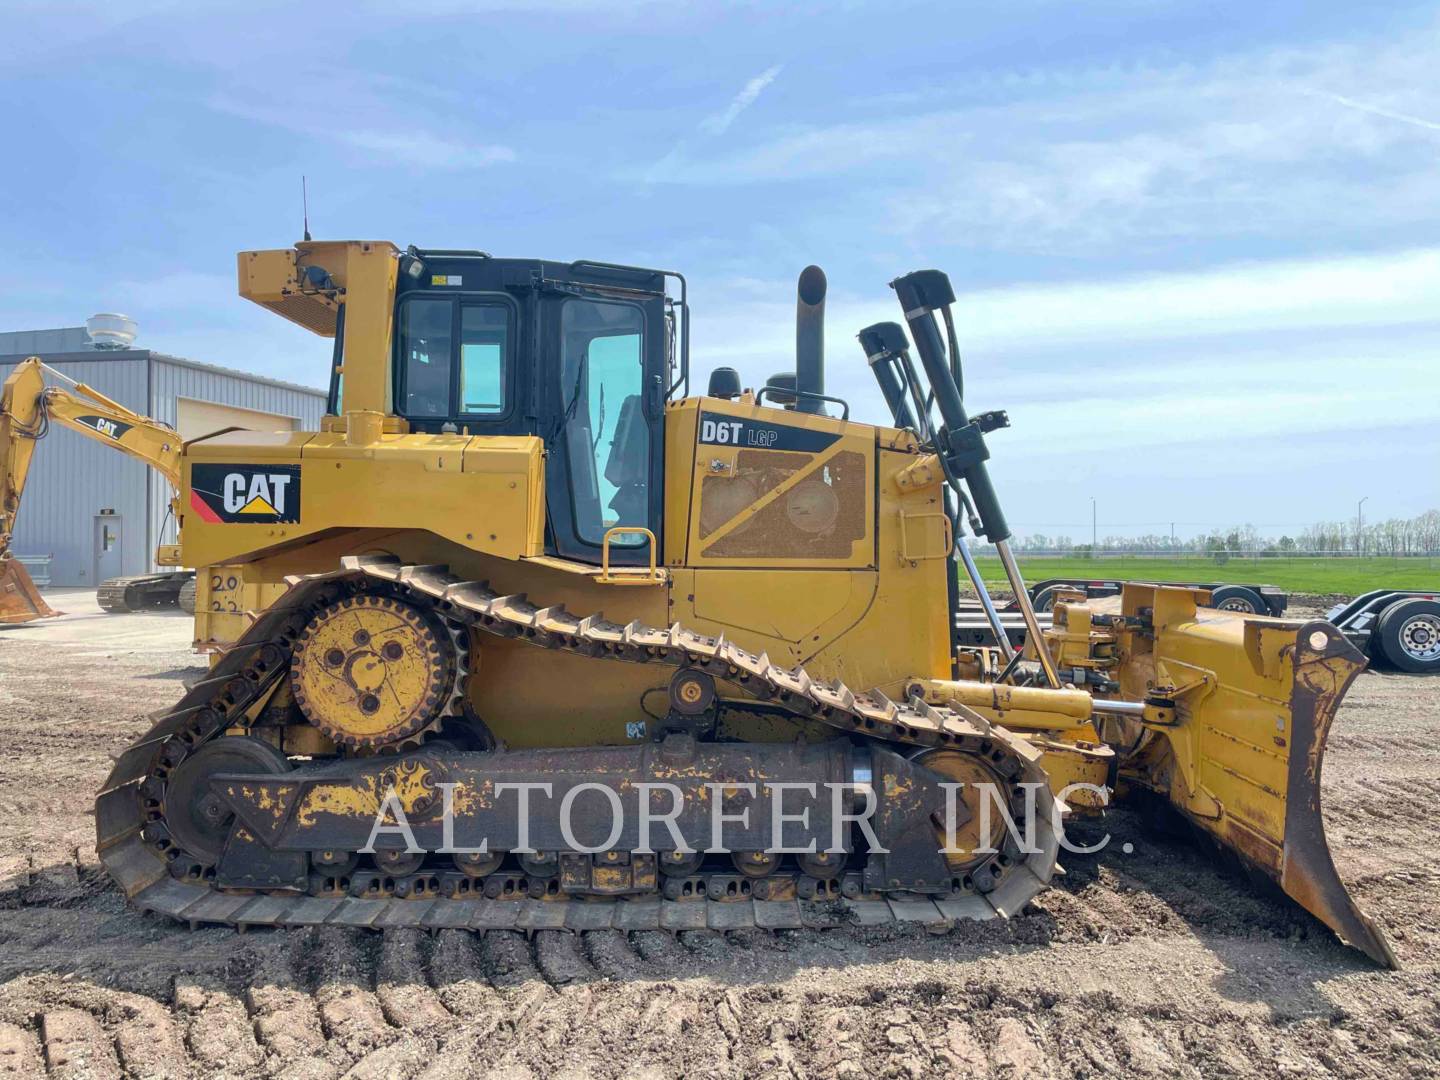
(29, 403)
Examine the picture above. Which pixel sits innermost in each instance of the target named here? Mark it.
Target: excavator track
(140, 592)
(139, 852)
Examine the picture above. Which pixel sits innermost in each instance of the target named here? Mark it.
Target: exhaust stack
(810, 339)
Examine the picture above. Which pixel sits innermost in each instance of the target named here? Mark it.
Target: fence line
(1175, 555)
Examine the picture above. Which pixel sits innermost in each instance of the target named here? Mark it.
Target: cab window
(483, 346)
(453, 358)
(425, 346)
(607, 437)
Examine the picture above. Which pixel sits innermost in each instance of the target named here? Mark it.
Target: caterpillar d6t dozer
(526, 635)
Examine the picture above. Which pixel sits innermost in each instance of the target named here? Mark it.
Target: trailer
(1399, 627)
(1396, 628)
(973, 630)
(1225, 595)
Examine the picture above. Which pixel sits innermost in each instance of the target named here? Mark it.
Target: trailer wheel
(1045, 598)
(1409, 633)
(1239, 599)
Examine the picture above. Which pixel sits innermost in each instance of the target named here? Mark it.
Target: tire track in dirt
(20, 1054)
(146, 1036)
(402, 987)
(460, 981)
(76, 1046)
(219, 1034)
(283, 1014)
(341, 972)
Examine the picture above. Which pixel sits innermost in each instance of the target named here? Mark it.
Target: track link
(135, 846)
(140, 592)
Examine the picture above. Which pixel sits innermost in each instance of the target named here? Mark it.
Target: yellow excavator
(525, 594)
(33, 397)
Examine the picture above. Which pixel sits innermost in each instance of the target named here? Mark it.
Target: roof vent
(110, 331)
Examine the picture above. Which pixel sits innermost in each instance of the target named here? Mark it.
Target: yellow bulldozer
(530, 635)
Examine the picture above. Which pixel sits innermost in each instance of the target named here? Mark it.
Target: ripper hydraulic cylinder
(883, 343)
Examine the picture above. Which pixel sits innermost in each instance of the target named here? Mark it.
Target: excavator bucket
(1253, 701)
(20, 600)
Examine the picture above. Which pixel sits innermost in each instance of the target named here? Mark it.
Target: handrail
(786, 391)
(606, 577)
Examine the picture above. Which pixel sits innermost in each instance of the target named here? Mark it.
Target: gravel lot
(1152, 963)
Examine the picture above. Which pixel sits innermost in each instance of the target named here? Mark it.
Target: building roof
(65, 339)
(61, 345)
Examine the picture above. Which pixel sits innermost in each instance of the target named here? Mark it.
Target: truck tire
(1409, 634)
(1238, 598)
(186, 598)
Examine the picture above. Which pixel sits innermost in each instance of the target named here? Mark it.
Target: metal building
(96, 513)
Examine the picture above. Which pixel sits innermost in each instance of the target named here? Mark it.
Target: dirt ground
(1153, 963)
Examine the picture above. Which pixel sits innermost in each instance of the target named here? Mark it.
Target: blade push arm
(29, 403)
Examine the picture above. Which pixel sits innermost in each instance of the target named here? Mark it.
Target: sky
(1196, 245)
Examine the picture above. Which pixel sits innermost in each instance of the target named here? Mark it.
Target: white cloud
(1387, 290)
(1277, 383)
(719, 123)
(1086, 162)
(673, 164)
(1377, 111)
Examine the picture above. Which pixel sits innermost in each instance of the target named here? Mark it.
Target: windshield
(608, 445)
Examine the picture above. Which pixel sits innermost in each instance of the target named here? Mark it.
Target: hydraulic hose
(960, 441)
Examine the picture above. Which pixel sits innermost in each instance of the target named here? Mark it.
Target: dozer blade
(20, 600)
(1254, 699)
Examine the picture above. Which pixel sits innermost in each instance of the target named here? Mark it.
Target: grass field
(1347, 576)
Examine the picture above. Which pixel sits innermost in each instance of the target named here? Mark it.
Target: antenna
(305, 206)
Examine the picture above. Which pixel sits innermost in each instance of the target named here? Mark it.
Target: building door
(108, 561)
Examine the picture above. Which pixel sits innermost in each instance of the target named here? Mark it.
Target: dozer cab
(528, 635)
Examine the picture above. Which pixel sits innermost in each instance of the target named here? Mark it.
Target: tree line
(1394, 537)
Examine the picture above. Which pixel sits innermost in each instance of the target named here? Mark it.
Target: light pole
(1360, 526)
(1094, 530)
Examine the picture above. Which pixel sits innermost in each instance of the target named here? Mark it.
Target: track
(141, 592)
(138, 851)
(1153, 963)
(1158, 968)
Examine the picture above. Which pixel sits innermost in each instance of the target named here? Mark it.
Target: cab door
(607, 365)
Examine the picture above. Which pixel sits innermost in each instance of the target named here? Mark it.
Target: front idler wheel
(198, 817)
(969, 848)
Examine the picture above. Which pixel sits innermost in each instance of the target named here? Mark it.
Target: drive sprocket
(371, 670)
